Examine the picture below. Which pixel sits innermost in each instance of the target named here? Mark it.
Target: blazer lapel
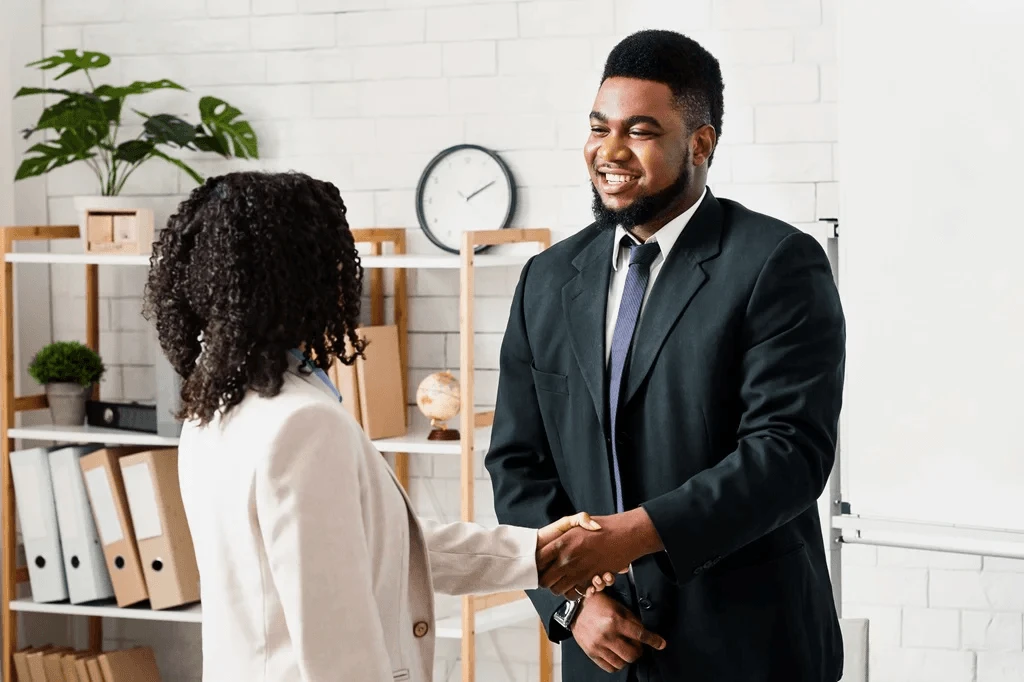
(584, 299)
(680, 278)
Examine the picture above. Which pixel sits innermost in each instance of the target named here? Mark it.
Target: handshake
(573, 557)
(578, 556)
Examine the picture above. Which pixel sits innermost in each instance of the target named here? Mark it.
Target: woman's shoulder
(262, 420)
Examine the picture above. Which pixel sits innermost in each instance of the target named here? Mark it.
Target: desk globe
(439, 399)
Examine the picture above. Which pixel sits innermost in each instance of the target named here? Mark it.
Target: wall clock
(465, 187)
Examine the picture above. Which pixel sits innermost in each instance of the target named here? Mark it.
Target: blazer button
(420, 629)
(645, 603)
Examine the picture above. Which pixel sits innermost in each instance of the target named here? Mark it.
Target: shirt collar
(666, 237)
(295, 367)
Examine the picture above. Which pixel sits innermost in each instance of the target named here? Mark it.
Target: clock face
(464, 188)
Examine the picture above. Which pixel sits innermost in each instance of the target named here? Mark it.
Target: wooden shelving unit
(479, 614)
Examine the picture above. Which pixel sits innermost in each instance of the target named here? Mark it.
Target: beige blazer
(312, 563)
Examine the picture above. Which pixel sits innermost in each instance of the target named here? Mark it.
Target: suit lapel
(680, 278)
(584, 299)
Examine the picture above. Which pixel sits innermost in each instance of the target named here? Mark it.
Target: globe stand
(442, 432)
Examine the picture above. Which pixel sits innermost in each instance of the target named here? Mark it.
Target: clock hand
(480, 190)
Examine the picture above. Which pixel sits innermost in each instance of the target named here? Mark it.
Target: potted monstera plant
(88, 126)
(68, 370)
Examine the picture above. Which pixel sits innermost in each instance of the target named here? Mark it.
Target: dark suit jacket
(728, 430)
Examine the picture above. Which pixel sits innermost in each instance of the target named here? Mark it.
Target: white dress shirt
(666, 238)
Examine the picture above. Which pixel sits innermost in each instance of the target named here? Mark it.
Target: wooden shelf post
(12, 574)
(468, 420)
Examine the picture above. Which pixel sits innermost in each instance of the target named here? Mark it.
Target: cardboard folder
(110, 511)
(37, 514)
(84, 565)
(41, 662)
(92, 667)
(379, 375)
(81, 663)
(161, 528)
(344, 378)
(21, 669)
(52, 664)
(129, 665)
(68, 664)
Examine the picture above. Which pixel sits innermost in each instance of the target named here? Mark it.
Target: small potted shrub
(68, 370)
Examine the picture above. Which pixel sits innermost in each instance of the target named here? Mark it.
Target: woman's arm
(467, 558)
(308, 507)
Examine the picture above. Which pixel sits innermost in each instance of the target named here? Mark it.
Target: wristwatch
(567, 612)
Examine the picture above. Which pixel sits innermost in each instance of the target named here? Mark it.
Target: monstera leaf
(66, 149)
(168, 129)
(73, 60)
(77, 110)
(220, 132)
(133, 151)
(136, 88)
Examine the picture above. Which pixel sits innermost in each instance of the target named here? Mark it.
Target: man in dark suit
(676, 367)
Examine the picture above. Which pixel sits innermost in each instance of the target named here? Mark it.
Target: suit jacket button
(420, 629)
(645, 603)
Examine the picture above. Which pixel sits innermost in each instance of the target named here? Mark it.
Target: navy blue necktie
(640, 258)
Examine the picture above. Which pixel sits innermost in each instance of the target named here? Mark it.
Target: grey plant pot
(67, 403)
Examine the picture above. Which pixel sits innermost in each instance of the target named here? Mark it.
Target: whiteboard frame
(846, 527)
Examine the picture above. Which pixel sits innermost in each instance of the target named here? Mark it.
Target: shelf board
(413, 443)
(442, 261)
(520, 611)
(397, 261)
(447, 628)
(78, 258)
(91, 434)
(109, 609)
(417, 443)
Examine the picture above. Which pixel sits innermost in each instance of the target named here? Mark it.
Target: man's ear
(702, 144)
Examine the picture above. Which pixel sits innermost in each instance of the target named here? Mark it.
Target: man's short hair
(691, 72)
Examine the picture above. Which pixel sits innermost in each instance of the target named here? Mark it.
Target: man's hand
(569, 563)
(610, 635)
(555, 530)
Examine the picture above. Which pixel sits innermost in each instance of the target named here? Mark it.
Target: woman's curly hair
(253, 265)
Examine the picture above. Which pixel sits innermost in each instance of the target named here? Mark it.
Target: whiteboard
(931, 269)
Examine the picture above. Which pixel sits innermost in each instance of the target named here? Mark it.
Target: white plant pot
(99, 202)
(67, 403)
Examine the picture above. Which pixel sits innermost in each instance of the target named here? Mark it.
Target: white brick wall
(364, 92)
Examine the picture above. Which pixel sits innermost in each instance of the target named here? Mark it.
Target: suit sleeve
(791, 392)
(527, 491)
(467, 558)
(308, 508)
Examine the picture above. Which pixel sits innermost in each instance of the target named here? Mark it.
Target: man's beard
(644, 209)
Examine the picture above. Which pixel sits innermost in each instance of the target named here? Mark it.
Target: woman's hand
(555, 530)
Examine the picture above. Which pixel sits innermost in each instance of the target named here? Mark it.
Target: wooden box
(119, 231)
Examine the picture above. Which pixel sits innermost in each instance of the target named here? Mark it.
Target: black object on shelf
(126, 416)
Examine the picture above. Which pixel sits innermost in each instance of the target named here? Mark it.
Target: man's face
(638, 151)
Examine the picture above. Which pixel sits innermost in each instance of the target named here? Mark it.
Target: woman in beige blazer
(312, 563)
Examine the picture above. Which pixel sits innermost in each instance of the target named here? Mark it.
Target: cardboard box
(382, 410)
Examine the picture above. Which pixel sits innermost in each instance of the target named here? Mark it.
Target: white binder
(37, 513)
(84, 563)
